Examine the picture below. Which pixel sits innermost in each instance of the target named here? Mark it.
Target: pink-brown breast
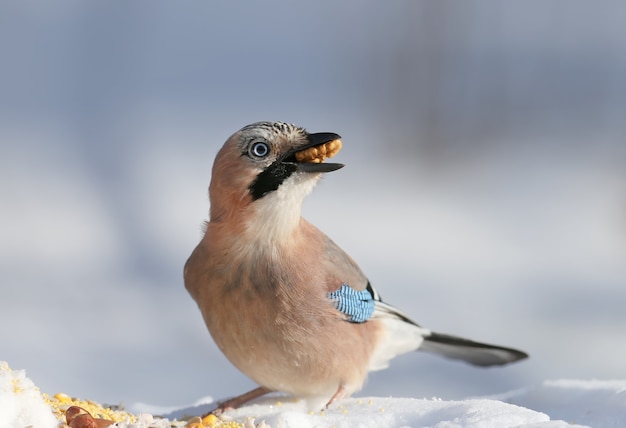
(268, 310)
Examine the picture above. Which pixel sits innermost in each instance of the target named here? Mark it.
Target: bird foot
(238, 401)
(341, 393)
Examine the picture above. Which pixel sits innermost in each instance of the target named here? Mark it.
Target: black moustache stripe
(271, 178)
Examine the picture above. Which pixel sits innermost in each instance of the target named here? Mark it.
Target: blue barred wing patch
(358, 306)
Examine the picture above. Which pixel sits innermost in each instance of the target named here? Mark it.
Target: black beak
(319, 167)
(316, 139)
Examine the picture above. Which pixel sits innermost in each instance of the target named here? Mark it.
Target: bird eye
(259, 150)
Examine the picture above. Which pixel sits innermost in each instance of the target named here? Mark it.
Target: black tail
(479, 354)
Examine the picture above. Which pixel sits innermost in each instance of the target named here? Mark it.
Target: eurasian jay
(286, 305)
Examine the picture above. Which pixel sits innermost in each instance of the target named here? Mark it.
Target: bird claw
(340, 394)
(235, 402)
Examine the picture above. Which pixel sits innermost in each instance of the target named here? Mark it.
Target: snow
(393, 412)
(551, 404)
(592, 402)
(21, 403)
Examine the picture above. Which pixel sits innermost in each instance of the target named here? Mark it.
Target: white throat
(278, 213)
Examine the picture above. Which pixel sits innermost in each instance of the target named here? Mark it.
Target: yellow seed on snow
(63, 398)
(209, 420)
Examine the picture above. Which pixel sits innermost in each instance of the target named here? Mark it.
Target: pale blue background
(484, 192)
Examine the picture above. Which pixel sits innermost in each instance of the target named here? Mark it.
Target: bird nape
(285, 304)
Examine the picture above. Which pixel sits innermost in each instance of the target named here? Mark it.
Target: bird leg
(341, 393)
(235, 402)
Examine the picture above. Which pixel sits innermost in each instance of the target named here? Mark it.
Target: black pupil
(260, 149)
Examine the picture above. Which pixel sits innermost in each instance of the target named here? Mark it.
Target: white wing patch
(400, 334)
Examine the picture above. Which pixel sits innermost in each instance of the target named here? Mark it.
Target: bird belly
(285, 350)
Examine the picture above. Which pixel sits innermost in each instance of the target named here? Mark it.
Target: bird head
(266, 169)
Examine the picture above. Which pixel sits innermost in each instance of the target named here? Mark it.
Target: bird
(283, 302)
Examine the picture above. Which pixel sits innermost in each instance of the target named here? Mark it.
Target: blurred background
(484, 192)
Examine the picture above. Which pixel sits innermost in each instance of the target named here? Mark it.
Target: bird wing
(405, 335)
(402, 334)
(340, 266)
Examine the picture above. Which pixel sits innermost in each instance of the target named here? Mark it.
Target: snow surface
(552, 404)
(21, 403)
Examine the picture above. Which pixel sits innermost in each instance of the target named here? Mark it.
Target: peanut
(319, 154)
